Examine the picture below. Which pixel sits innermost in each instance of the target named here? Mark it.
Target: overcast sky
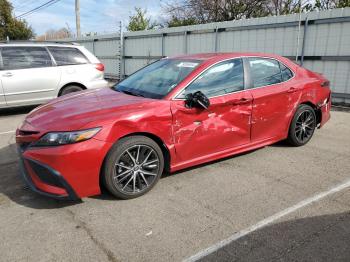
(96, 16)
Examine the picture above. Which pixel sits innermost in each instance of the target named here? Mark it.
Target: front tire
(303, 126)
(133, 167)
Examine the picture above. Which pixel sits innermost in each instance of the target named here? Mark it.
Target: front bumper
(63, 172)
(44, 180)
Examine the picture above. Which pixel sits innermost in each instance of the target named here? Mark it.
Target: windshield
(158, 79)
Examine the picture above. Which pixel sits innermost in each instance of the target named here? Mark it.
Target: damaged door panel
(276, 94)
(225, 124)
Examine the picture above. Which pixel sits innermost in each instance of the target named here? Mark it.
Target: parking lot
(272, 204)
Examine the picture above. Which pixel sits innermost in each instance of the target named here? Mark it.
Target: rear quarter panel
(313, 93)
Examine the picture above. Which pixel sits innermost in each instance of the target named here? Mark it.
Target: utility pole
(77, 17)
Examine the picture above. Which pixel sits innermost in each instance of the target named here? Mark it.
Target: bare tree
(204, 11)
(52, 34)
(183, 12)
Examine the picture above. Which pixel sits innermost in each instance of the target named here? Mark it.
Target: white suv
(34, 73)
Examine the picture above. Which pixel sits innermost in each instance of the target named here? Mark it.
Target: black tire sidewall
(70, 89)
(117, 149)
(292, 139)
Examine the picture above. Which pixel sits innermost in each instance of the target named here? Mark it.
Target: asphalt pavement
(193, 210)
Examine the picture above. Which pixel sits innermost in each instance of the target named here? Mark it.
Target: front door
(2, 96)
(200, 132)
(28, 75)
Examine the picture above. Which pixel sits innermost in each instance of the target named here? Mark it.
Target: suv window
(223, 78)
(22, 57)
(67, 56)
(264, 71)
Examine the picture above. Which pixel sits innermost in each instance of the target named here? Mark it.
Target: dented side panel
(200, 132)
(273, 107)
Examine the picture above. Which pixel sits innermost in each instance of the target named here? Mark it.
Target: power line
(25, 4)
(47, 4)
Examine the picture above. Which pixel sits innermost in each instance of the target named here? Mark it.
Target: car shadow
(16, 110)
(318, 238)
(278, 144)
(13, 187)
(12, 184)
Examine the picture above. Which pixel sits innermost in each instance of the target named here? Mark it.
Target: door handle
(292, 90)
(243, 100)
(7, 74)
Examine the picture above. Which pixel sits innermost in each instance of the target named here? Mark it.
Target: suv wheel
(70, 89)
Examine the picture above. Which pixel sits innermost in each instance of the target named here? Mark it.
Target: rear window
(67, 56)
(265, 71)
(286, 72)
(23, 57)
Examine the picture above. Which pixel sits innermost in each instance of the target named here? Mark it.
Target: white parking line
(267, 221)
(7, 132)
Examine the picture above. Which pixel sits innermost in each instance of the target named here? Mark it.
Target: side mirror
(197, 99)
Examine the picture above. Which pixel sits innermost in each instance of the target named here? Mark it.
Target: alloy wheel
(305, 126)
(136, 169)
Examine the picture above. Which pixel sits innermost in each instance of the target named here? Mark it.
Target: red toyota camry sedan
(175, 113)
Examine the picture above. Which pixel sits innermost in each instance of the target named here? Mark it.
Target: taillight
(100, 67)
(325, 84)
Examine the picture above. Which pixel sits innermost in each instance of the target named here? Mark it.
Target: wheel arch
(71, 84)
(155, 138)
(161, 144)
(317, 110)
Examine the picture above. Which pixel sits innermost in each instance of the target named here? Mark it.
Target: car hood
(74, 111)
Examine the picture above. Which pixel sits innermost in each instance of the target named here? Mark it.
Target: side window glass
(25, 57)
(286, 72)
(264, 71)
(67, 56)
(223, 78)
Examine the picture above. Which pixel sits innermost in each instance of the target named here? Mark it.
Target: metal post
(304, 40)
(93, 46)
(185, 42)
(299, 27)
(216, 39)
(121, 53)
(163, 45)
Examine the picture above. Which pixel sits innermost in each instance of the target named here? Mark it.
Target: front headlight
(64, 138)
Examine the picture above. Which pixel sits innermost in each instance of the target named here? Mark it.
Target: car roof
(37, 43)
(222, 56)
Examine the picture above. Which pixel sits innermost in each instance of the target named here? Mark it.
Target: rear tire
(303, 126)
(132, 167)
(70, 89)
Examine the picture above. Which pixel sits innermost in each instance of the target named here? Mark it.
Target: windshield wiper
(130, 93)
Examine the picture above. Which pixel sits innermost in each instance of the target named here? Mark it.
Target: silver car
(34, 73)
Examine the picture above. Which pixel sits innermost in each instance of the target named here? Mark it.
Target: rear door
(2, 96)
(275, 95)
(74, 65)
(28, 75)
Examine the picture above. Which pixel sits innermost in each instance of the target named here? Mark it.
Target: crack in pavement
(81, 224)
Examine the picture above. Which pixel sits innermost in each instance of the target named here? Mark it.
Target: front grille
(45, 174)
